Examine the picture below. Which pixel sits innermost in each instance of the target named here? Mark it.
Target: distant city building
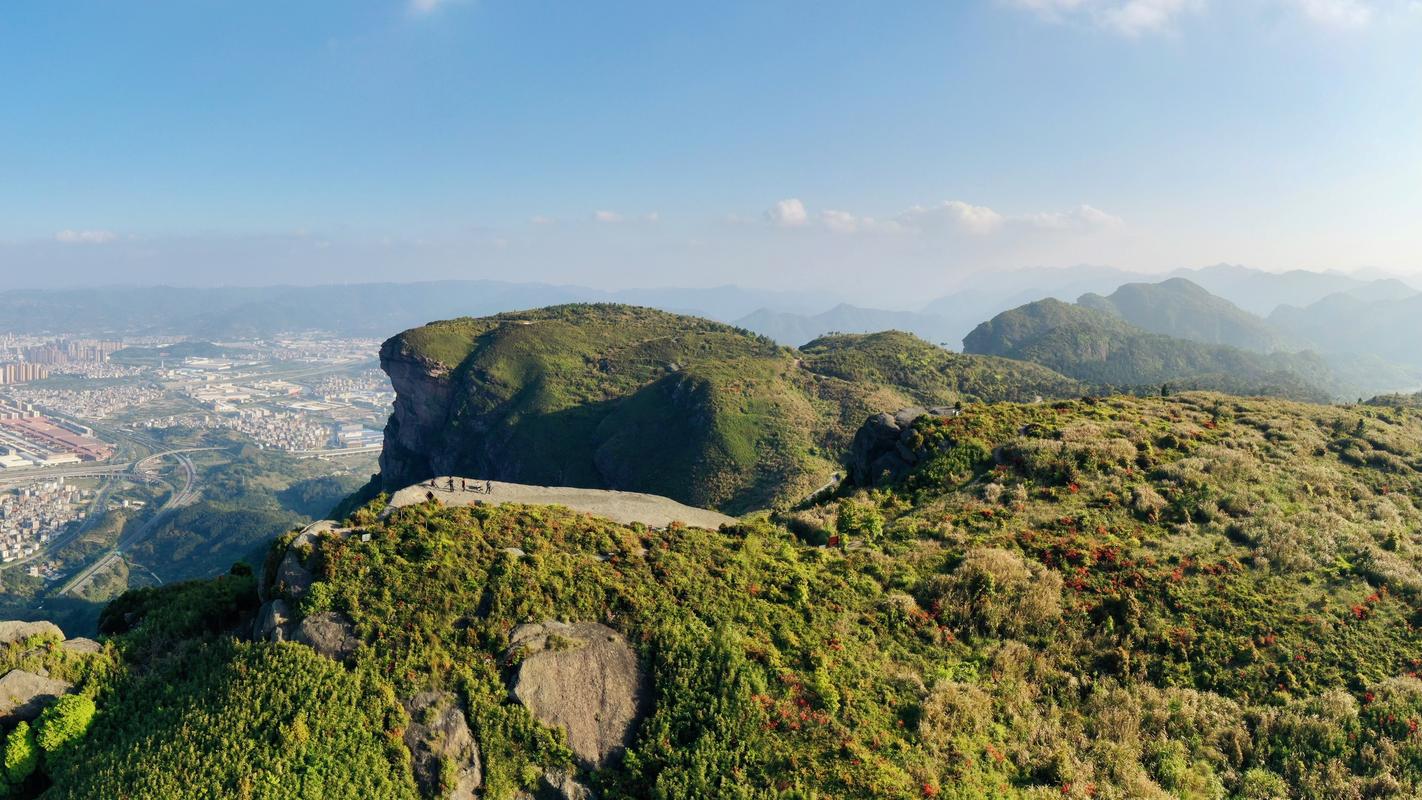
(22, 373)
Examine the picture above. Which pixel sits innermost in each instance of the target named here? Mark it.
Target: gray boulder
(328, 633)
(12, 631)
(273, 621)
(583, 678)
(82, 646)
(23, 695)
(881, 451)
(439, 733)
(558, 785)
(293, 578)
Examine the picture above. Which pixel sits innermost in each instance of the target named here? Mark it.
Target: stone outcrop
(81, 645)
(293, 577)
(273, 622)
(582, 677)
(559, 785)
(328, 633)
(439, 734)
(23, 695)
(881, 451)
(16, 631)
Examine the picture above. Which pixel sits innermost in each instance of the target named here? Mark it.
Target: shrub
(68, 719)
(995, 592)
(859, 519)
(21, 756)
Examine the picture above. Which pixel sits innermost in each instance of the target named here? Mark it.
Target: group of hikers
(466, 486)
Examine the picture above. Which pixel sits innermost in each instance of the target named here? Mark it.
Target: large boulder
(582, 677)
(328, 633)
(23, 695)
(559, 785)
(293, 578)
(880, 449)
(438, 734)
(82, 646)
(273, 622)
(12, 631)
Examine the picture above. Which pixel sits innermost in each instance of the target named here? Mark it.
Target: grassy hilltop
(606, 396)
(1198, 597)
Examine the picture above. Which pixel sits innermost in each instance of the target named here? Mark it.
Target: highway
(179, 498)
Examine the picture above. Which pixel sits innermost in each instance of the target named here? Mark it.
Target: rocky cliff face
(423, 393)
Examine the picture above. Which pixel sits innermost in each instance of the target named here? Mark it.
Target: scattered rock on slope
(582, 677)
(439, 734)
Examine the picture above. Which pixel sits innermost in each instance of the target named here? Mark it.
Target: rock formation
(880, 449)
(582, 677)
(23, 695)
(439, 734)
(273, 622)
(328, 633)
(293, 577)
(18, 631)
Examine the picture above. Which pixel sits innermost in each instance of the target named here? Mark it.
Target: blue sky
(884, 148)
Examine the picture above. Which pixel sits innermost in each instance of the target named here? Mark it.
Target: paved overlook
(623, 507)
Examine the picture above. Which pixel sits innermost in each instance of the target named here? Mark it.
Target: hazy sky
(884, 149)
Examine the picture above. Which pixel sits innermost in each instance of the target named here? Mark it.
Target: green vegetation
(1183, 310)
(1102, 349)
(619, 397)
(1197, 596)
(32, 751)
(224, 719)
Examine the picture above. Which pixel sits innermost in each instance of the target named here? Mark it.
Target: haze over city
(878, 151)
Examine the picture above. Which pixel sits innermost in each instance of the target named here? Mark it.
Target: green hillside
(1101, 348)
(607, 396)
(1183, 310)
(1195, 597)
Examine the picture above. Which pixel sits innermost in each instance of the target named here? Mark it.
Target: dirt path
(625, 507)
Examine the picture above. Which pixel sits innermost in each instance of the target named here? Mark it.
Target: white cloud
(953, 215)
(1126, 17)
(85, 237)
(950, 217)
(1344, 14)
(1083, 218)
(426, 6)
(607, 216)
(788, 213)
(839, 221)
(542, 220)
(652, 217)
(1138, 17)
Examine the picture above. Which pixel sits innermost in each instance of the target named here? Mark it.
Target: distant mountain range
(1362, 330)
(791, 317)
(367, 309)
(949, 318)
(1175, 332)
